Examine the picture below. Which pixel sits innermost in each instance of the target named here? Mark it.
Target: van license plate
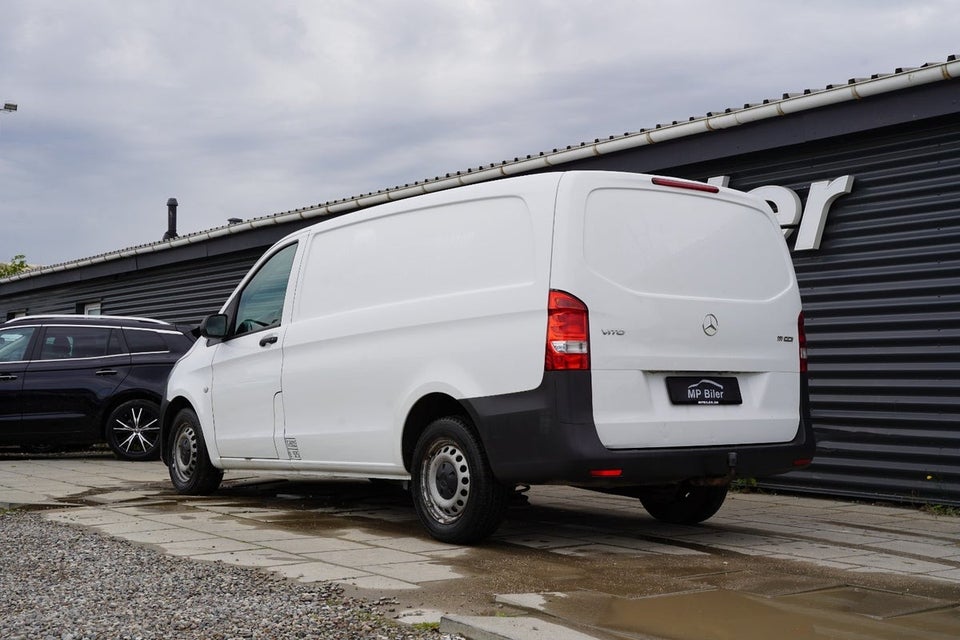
(704, 390)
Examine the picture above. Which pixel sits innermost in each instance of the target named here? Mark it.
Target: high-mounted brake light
(802, 339)
(684, 184)
(568, 333)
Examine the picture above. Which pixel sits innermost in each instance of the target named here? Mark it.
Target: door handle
(268, 340)
(7, 377)
(107, 372)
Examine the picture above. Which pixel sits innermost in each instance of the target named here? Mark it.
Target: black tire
(190, 468)
(133, 430)
(456, 495)
(683, 504)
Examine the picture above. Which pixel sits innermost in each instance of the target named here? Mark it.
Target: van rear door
(693, 311)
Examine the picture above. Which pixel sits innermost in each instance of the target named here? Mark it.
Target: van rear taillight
(684, 184)
(802, 339)
(568, 336)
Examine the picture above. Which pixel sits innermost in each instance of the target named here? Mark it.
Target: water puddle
(945, 622)
(834, 614)
(872, 603)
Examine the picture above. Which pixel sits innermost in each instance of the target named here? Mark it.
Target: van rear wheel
(190, 468)
(456, 495)
(683, 504)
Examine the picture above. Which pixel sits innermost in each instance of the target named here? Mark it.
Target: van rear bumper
(547, 435)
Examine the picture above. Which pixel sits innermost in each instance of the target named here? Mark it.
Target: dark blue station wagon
(71, 381)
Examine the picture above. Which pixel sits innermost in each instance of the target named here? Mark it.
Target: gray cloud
(241, 108)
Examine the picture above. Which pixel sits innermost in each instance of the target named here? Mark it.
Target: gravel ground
(65, 583)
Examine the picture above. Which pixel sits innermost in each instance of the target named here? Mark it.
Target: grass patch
(745, 485)
(945, 510)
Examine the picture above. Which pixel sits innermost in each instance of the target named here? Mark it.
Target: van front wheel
(683, 504)
(456, 495)
(191, 471)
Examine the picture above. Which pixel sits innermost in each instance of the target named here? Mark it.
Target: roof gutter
(855, 89)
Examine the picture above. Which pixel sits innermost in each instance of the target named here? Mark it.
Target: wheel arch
(167, 415)
(117, 400)
(426, 410)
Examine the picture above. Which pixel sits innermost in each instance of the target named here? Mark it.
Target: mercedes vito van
(623, 332)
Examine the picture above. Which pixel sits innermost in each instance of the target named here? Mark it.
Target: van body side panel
(653, 264)
(448, 297)
(547, 436)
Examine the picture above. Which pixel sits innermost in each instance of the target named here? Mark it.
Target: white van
(623, 332)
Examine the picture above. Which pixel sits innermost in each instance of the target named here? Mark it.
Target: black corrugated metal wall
(184, 292)
(882, 306)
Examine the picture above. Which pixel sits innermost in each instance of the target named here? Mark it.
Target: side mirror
(214, 326)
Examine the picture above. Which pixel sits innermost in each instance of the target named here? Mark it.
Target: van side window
(261, 302)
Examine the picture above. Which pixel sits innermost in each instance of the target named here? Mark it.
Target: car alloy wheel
(134, 430)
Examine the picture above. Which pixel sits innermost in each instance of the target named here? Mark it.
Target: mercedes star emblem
(711, 325)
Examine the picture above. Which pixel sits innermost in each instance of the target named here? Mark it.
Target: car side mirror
(214, 326)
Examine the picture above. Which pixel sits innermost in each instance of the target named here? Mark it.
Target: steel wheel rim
(185, 453)
(445, 481)
(137, 430)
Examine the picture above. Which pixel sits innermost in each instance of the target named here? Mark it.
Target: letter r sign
(821, 196)
(786, 203)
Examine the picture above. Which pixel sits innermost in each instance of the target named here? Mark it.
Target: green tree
(17, 264)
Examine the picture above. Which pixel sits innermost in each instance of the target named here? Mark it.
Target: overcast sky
(243, 108)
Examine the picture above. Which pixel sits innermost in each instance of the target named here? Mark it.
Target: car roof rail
(75, 316)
